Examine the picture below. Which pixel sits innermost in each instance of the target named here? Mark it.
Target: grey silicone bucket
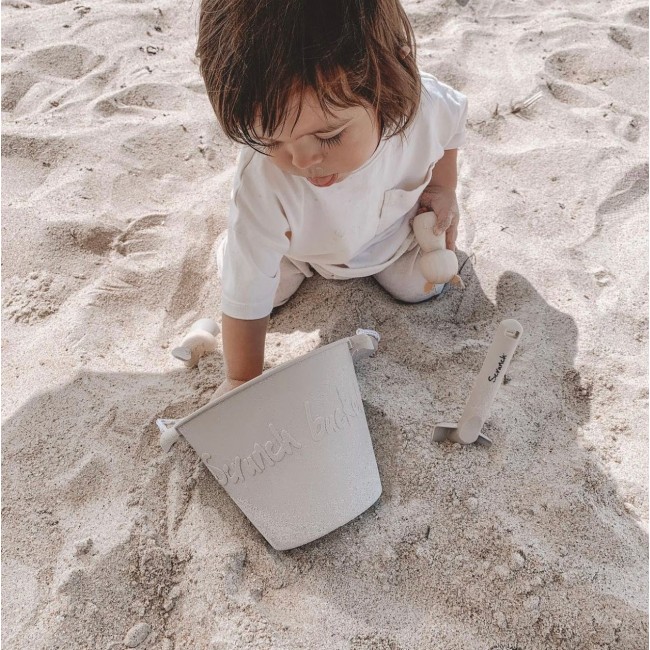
(292, 447)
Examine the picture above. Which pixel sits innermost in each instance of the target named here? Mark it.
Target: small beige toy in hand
(200, 340)
(437, 264)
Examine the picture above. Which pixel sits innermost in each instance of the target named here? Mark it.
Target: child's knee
(290, 280)
(286, 290)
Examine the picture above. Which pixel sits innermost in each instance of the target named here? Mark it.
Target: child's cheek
(356, 153)
(282, 160)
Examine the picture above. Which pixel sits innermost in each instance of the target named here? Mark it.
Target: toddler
(344, 141)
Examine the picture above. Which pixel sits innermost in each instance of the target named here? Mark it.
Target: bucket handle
(168, 433)
(363, 344)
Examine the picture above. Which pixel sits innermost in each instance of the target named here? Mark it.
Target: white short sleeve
(255, 246)
(449, 109)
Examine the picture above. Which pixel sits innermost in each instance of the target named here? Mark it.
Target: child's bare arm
(440, 196)
(243, 350)
(243, 346)
(445, 172)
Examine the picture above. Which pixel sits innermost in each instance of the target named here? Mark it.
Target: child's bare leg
(291, 278)
(403, 280)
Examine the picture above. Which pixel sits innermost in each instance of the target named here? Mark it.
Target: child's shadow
(428, 336)
(533, 519)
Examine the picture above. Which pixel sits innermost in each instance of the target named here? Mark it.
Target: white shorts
(402, 279)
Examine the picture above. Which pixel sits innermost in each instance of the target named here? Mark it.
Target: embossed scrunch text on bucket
(292, 446)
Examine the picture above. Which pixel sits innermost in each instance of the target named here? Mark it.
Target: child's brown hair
(255, 54)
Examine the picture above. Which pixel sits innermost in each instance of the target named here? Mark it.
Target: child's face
(320, 147)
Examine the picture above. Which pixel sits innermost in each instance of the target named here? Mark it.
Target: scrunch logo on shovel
(497, 372)
(283, 444)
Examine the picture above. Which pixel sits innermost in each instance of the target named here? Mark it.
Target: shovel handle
(489, 380)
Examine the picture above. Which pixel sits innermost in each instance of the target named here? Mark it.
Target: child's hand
(226, 386)
(442, 201)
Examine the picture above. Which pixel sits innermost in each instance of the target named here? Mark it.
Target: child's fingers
(450, 237)
(443, 221)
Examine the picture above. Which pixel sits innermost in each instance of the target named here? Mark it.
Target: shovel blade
(442, 431)
(445, 431)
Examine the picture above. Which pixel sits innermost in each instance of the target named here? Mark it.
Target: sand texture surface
(116, 181)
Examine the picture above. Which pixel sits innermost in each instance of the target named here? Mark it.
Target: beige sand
(116, 184)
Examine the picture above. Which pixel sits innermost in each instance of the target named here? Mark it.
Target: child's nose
(305, 156)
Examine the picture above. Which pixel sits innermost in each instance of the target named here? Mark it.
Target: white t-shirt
(353, 228)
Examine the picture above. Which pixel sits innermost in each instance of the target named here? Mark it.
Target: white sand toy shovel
(500, 352)
(292, 446)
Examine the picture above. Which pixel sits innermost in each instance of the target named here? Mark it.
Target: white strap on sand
(363, 344)
(168, 433)
(375, 335)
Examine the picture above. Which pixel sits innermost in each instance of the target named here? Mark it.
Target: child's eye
(331, 142)
(324, 142)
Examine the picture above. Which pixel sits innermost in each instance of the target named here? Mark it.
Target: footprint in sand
(430, 22)
(157, 150)
(612, 210)
(84, 250)
(585, 66)
(80, 237)
(569, 94)
(141, 236)
(45, 151)
(631, 186)
(632, 39)
(621, 37)
(65, 61)
(70, 238)
(129, 250)
(32, 80)
(638, 16)
(149, 96)
(451, 73)
(15, 85)
(631, 127)
(22, 175)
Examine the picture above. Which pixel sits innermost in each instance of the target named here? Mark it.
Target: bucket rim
(261, 378)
